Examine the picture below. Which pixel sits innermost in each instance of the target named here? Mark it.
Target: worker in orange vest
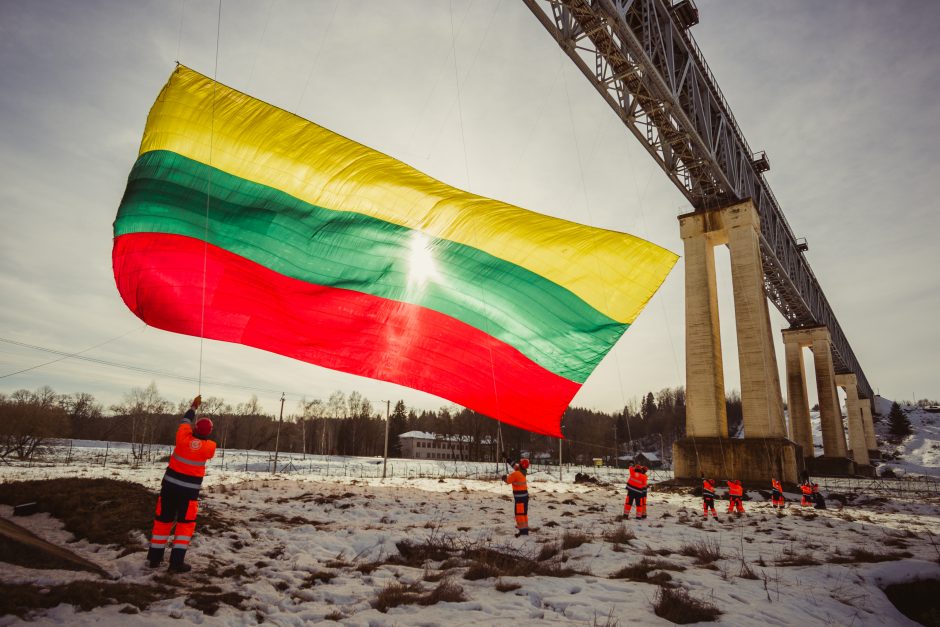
(776, 494)
(636, 491)
(807, 489)
(708, 497)
(520, 496)
(179, 492)
(735, 496)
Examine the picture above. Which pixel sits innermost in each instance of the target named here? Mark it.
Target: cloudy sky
(843, 95)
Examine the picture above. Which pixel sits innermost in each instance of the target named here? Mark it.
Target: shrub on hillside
(899, 424)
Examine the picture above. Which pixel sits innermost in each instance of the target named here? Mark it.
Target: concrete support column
(761, 402)
(801, 429)
(706, 414)
(830, 415)
(868, 425)
(854, 410)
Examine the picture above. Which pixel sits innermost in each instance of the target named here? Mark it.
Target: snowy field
(333, 544)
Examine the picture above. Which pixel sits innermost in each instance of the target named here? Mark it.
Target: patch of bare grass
(858, 556)
(703, 551)
(574, 539)
(647, 571)
(793, 558)
(433, 549)
(507, 586)
(548, 551)
(446, 592)
(366, 568)
(315, 576)
(395, 594)
(23, 600)
(677, 606)
(746, 572)
(481, 570)
(209, 599)
(620, 535)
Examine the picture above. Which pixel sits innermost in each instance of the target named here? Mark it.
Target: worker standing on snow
(807, 489)
(520, 495)
(776, 494)
(636, 492)
(735, 496)
(179, 492)
(708, 498)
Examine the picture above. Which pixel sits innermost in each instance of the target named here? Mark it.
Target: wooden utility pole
(277, 436)
(385, 463)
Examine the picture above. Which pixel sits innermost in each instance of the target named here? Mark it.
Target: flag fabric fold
(313, 246)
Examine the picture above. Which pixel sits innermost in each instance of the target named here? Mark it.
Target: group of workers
(178, 502)
(637, 489)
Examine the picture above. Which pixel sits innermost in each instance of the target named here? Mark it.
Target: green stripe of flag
(166, 193)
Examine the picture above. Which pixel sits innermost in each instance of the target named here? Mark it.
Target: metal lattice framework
(649, 70)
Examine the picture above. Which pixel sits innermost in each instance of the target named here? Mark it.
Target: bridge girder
(654, 77)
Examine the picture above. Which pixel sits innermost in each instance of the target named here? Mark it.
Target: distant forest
(343, 424)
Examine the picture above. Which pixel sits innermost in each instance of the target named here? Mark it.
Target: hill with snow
(916, 454)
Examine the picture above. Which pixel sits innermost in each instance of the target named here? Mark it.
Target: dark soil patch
(24, 599)
(208, 600)
(313, 577)
(20, 546)
(917, 600)
(102, 511)
(588, 479)
(677, 606)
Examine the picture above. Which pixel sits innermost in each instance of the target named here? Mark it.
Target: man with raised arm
(179, 492)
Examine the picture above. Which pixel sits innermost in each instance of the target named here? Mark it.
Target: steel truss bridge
(642, 60)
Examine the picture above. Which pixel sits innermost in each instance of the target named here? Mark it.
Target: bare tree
(28, 420)
(142, 406)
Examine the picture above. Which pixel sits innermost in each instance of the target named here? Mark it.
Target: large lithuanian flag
(244, 223)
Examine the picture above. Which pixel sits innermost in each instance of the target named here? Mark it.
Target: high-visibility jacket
(806, 489)
(637, 480)
(708, 489)
(735, 488)
(187, 465)
(776, 485)
(517, 479)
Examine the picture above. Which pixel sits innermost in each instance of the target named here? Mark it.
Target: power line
(66, 356)
(112, 364)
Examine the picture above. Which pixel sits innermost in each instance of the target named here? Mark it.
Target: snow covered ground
(306, 548)
(920, 452)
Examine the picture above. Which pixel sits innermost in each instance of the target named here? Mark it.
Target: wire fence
(123, 454)
(155, 457)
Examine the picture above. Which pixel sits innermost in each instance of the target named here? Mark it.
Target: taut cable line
(205, 249)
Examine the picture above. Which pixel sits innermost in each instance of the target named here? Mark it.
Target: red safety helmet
(524, 462)
(203, 426)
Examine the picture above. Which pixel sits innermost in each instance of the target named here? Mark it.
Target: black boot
(155, 557)
(177, 563)
(522, 532)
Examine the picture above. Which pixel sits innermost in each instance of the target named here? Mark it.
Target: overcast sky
(843, 95)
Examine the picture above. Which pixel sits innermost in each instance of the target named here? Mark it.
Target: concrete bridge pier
(765, 449)
(853, 407)
(834, 460)
(869, 426)
(801, 428)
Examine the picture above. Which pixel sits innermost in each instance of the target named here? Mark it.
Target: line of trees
(343, 424)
